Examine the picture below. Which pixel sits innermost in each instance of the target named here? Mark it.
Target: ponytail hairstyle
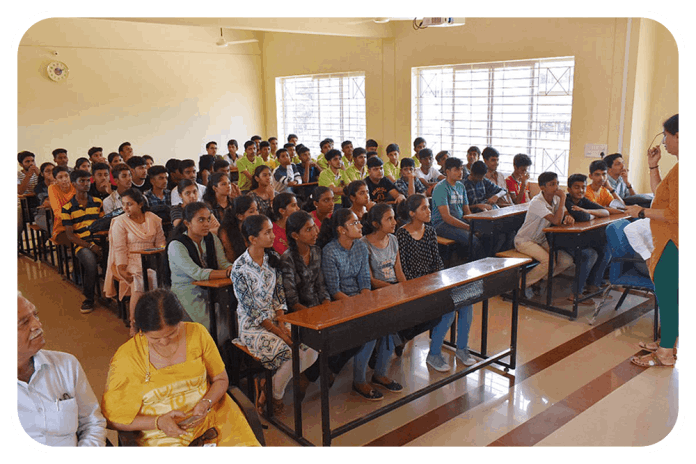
(309, 206)
(294, 224)
(231, 224)
(350, 190)
(209, 195)
(329, 227)
(373, 216)
(251, 227)
(281, 201)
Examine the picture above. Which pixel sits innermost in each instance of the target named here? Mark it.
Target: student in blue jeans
(450, 204)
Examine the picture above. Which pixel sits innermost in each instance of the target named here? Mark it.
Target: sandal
(653, 346)
(374, 395)
(650, 360)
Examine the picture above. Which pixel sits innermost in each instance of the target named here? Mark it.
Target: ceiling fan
(221, 42)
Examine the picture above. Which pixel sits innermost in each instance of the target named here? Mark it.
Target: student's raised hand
(654, 155)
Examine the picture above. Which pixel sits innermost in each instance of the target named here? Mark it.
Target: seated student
(450, 204)
(265, 154)
(219, 195)
(324, 147)
(262, 191)
(320, 205)
(346, 268)
(370, 145)
(247, 165)
(284, 204)
(284, 176)
(408, 182)
(257, 140)
(59, 194)
(358, 169)
(333, 177)
(136, 230)
(222, 165)
(292, 138)
(77, 215)
(192, 254)
(101, 186)
(440, 159)
(211, 148)
(381, 189)
(44, 181)
(517, 182)
(492, 158)
(308, 170)
(231, 157)
(273, 143)
(172, 369)
(96, 155)
(230, 231)
(188, 191)
(483, 195)
(174, 178)
(149, 161)
(359, 197)
(427, 173)
(126, 151)
(83, 163)
(472, 155)
(205, 168)
(593, 261)
(44, 378)
(618, 180)
(28, 176)
(258, 285)
(138, 167)
(546, 208)
(187, 170)
(122, 174)
(347, 149)
(292, 151)
(159, 194)
(391, 167)
(114, 159)
(600, 191)
(419, 143)
(60, 157)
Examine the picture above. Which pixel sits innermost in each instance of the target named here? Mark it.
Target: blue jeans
(592, 266)
(461, 236)
(385, 347)
(466, 314)
(88, 260)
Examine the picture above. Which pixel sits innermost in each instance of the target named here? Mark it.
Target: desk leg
(484, 328)
(325, 419)
(576, 279)
(515, 313)
(549, 285)
(144, 264)
(471, 240)
(296, 379)
(212, 314)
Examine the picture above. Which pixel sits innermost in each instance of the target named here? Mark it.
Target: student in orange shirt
(599, 190)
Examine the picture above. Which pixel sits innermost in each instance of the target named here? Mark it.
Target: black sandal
(392, 386)
(374, 395)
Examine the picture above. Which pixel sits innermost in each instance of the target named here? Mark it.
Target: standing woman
(258, 285)
(136, 230)
(664, 261)
(194, 253)
(284, 204)
(262, 191)
(230, 232)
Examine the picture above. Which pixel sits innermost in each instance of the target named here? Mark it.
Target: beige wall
(166, 89)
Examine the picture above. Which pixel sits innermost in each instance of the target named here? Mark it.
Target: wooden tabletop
(341, 311)
(214, 283)
(586, 225)
(498, 213)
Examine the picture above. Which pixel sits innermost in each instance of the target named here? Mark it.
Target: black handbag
(103, 223)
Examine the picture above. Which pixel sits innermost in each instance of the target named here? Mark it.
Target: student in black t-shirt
(381, 189)
(101, 184)
(138, 167)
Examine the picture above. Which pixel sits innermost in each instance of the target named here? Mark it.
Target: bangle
(156, 425)
(210, 402)
(654, 167)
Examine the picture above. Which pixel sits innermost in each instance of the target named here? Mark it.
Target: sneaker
(463, 356)
(87, 307)
(437, 362)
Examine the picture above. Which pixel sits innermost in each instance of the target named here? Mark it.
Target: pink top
(280, 243)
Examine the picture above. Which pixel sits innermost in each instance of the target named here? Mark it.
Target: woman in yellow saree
(169, 381)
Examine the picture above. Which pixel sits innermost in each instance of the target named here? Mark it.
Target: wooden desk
(575, 237)
(213, 285)
(344, 324)
(486, 222)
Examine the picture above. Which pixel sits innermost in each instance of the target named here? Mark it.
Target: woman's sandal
(651, 360)
(653, 346)
(392, 386)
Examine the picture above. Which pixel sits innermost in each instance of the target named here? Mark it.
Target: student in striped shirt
(77, 215)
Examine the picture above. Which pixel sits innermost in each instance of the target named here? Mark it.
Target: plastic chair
(623, 271)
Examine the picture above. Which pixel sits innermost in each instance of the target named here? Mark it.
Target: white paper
(593, 150)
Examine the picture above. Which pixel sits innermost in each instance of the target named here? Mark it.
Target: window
(513, 106)
(320, 106)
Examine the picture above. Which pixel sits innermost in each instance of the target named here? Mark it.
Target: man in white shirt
(428, 174)
(187, 168)
(547, 208)
(55, 403)
(124, 181)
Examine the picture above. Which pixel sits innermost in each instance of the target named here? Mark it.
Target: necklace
(147, 372)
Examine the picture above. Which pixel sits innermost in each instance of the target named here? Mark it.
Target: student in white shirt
(546, 208)
(187, 168)
(55, 403)
(124, 180)
(428, 174)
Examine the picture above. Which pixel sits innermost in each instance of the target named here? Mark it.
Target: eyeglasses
(353, 223)
(655, 138)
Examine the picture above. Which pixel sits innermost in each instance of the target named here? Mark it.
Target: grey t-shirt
(383, 260)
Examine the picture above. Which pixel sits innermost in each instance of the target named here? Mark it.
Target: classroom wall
(165, 89)
(598, 45)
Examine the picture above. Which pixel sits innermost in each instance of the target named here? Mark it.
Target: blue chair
(623, 270)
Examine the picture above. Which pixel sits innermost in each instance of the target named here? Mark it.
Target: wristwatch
(641, 214)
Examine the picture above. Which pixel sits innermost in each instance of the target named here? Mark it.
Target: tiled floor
(573, 385)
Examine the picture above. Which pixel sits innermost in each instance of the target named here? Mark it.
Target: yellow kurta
(129, 392)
